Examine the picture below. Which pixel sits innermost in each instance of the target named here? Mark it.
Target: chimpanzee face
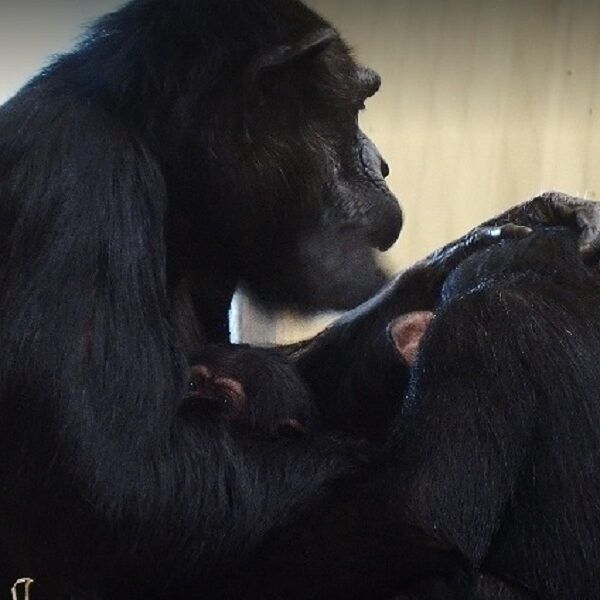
(360, 199)
(267, 168)
(304, 200)
(255, 390)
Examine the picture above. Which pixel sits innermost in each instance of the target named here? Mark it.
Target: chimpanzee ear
(407, 332)
(276, 60)
(284, 56)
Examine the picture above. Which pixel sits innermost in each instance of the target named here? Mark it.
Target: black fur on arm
(353, 369)
(498, 446)
(121, 494)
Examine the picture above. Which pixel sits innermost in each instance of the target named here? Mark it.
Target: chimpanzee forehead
(347, 79)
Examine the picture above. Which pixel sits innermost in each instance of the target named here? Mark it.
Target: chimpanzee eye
(230, 407)
(192, 386)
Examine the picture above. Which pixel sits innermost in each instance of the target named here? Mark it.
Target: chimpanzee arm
(553, 209)
(353, 545)
(354, 373)
(352, 368)
(109, 488)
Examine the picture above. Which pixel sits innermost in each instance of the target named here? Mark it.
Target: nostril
(385, 169)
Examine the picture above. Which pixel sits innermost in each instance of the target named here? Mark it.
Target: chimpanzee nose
(385, 169)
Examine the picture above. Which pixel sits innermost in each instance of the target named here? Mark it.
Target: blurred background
(484, 104)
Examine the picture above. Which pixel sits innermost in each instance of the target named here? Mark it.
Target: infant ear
(407, 332)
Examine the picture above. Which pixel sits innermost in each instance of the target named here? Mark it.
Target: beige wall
(32, 30)
(484, 103)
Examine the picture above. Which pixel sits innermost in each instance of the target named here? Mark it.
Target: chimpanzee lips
(389, 224)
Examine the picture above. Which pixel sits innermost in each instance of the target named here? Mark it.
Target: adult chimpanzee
(187, 146)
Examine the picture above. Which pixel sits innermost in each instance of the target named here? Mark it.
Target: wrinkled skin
(328, 261)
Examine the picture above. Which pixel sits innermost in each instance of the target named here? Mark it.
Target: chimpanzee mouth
(389, 225)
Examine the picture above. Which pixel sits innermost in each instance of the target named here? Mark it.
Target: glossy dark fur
(496, 447)
(501, 438)
(142, 178)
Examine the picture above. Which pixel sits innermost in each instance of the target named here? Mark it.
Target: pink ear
(407, 331)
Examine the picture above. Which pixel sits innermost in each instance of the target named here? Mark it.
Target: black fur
(500, 440)
(186, 147)
(356, 378)
(494, 451)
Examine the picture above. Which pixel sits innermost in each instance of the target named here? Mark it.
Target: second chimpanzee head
(256, 390)
(548, 254)
(250, 108)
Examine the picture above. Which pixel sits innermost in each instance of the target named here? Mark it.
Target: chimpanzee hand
(554, 208)
(446, 259)
(551, 208)
(418, 287)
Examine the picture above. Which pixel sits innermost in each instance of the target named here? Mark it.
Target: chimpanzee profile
(500, 439)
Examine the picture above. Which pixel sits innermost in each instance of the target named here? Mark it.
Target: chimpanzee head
(343, 211)
(548, 254)
(257, 390)
(251, 110)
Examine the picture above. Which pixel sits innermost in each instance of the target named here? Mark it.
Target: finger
(514, 231)
(493, 234)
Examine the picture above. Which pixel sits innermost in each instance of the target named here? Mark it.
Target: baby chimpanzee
(256, 389)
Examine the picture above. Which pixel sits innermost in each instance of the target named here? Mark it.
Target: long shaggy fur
(120, 188)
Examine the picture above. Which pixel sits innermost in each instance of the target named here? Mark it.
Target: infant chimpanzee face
(257, 390)
(226, 395)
